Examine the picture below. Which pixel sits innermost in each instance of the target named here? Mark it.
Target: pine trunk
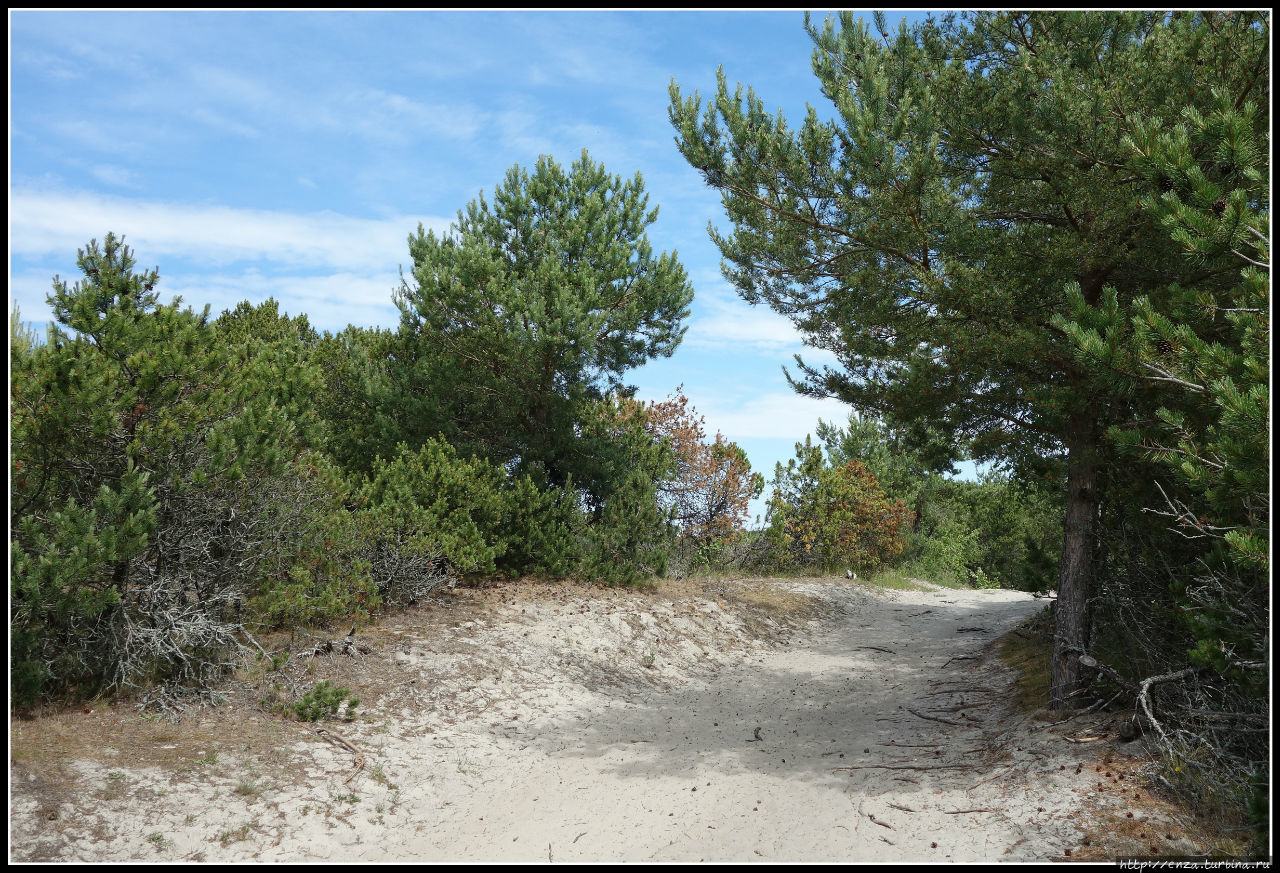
(1075, 584)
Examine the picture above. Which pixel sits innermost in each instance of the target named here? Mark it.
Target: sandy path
(561, 770)
(678, 776)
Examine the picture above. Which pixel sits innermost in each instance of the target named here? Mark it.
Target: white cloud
(774, 415)
(722, 320)
(337, 269)
(57, 223)
(232, 87)
(330, 301)
(520, 131)
(50, 65)
(381, 115)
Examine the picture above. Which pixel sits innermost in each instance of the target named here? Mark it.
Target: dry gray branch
(932, 718)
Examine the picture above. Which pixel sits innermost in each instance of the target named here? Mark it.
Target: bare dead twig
(932, 718)
(906, 767)
(1099, 705)
(1111, 673)
(1145, 688)
(964, 811)
(963, 689)
(339, 741)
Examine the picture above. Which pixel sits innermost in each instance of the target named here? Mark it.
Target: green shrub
(829, 518)
(324, 701)
(432, 502)
(151, 468)
(541, 529)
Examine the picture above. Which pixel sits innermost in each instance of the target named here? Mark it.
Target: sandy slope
(579, 728)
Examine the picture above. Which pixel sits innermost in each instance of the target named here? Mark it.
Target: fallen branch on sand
(966, 689)
(339, 741)
(906, 767)
(932, 718)
(1095, 707)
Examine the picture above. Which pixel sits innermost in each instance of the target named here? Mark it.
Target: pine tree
(531, 309)
(1198, 355)
(973, 168)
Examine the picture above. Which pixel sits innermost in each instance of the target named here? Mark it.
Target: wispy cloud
(523, 133)
(45, 223)
(228, 86)
(48, 65)
(723, 320)
(338, 269)
(330, 301)
(383, 115)
(223, 123)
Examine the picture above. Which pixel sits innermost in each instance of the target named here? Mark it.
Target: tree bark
(1075, 583)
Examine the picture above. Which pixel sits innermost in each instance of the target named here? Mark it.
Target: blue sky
(289, 155)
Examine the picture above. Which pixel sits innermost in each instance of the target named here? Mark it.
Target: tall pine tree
(972, 168)
(531, 310)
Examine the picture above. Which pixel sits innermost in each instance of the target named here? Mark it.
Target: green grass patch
(891, 579)
(1028, 650)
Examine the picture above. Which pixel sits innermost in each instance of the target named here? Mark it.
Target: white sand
(623, 729)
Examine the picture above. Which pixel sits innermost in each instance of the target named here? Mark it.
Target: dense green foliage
(999, 531)
(531, 310)
(152, 472)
